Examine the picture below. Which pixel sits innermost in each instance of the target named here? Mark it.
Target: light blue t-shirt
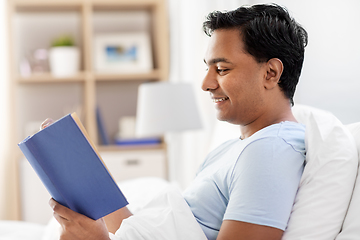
(254, 180)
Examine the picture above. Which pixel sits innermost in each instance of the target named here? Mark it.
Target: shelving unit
(34, 23)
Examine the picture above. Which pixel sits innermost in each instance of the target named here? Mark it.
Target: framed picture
(123, 53)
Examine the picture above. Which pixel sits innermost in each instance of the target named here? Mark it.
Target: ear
(274, 69)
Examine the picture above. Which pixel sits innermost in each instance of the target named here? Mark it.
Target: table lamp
(167, 108)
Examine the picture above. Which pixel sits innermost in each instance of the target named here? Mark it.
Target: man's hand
(46, 123)
(76, 226)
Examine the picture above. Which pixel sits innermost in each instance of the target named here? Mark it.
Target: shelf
(116, 148)
(48, 78)
(128, 5)
(33, 24)
(40, 5)
(153, 75)
(60, 5)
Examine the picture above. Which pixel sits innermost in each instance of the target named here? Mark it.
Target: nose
(209, 82)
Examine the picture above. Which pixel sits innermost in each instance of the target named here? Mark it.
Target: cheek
(242, 85)
(232, 85)
(248, 95)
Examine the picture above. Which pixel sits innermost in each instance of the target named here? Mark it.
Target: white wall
(330, 78)
(188, 44)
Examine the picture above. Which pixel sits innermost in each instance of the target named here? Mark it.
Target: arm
(264, 193)
(114, 219)
(236, 230)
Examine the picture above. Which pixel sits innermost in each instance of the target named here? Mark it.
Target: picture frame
(123, 53)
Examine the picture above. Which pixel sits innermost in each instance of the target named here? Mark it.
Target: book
(138, 141)
(71, 168)
(101, 128)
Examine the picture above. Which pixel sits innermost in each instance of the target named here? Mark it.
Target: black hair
(268, 31)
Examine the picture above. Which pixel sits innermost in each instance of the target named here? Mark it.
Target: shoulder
(264, 180)
(266, 176)
(272, 149)
(276, 137)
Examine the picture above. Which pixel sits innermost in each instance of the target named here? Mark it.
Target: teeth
(216, 100)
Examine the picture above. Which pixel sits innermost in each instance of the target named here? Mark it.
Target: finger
(52, 203)
(46, 123)
(62, 211)
(60, 219)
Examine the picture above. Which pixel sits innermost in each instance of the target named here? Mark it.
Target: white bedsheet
(160, 212)
(15, 230)
(167, 216)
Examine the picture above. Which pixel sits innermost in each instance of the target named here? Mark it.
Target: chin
(221, 117)
(225, 119)
(228, 119)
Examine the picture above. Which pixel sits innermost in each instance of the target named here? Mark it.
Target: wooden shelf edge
(46, 2)
(24, 5)
(116, 148)
(153, 75)
(40, 5)
(48, 78)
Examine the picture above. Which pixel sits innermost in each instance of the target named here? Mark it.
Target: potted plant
(64, 57)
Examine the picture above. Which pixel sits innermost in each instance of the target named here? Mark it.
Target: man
(245, 189)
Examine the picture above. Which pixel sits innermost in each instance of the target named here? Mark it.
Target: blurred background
(30, 89)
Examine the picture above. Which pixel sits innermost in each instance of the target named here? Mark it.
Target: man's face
(234, 79)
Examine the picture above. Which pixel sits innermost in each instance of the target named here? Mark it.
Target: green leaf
(64, 40)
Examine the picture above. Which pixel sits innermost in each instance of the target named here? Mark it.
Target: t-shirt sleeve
(264, 182)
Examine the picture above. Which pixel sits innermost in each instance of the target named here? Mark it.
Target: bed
(147, 188)
(327, 204)
(13, 230)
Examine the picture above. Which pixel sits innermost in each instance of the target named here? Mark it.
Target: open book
(71, 168)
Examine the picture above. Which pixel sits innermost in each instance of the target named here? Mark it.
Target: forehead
(225, 43)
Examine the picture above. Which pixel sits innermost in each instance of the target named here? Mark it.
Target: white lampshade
(166, 107)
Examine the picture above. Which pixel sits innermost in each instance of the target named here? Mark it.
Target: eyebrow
(216, 60)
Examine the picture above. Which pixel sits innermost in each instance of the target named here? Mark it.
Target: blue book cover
(101, 128)
(138, 141)
(71, 169)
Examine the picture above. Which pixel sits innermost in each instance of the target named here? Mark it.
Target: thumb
(46, 123)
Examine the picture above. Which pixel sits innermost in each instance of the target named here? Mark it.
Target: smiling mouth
(217, 100)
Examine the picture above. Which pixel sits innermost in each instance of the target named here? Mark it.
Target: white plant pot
(64, 61)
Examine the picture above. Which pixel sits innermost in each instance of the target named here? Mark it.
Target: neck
(280, 113)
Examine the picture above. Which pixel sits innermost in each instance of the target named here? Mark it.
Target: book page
(83, 130)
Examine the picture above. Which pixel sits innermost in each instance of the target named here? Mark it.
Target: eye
(222, 71)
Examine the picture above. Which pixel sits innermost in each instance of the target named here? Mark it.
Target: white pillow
(328, 179)
(351, 227)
